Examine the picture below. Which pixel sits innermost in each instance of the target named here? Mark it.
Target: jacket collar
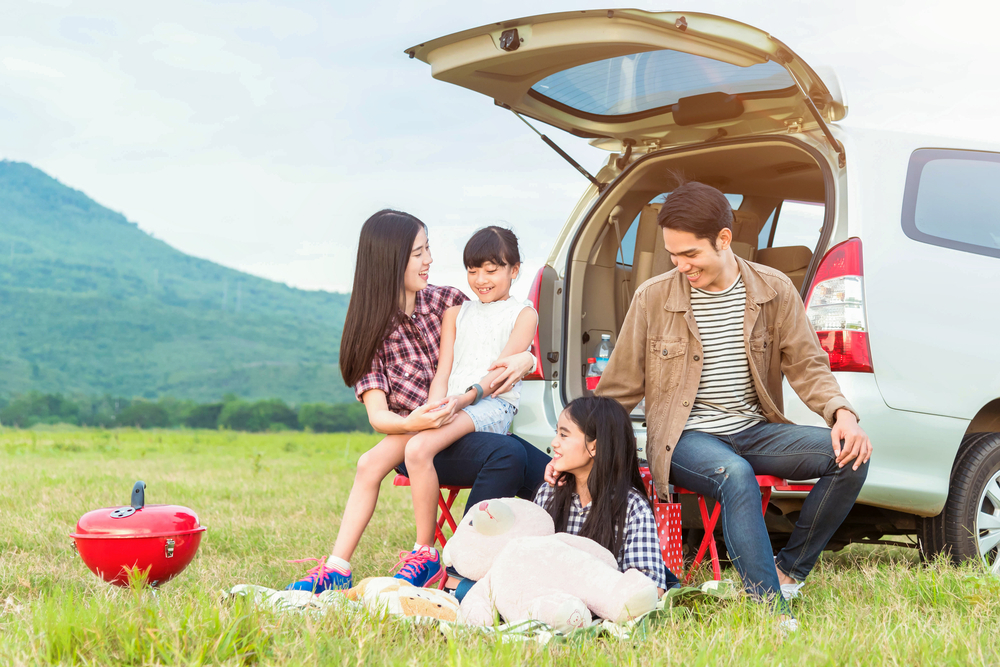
(679, 298)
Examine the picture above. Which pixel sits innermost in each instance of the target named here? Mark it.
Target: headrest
(744, 250)
(786, 259)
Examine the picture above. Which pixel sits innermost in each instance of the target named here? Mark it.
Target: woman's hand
(516, 366)
(431, 415)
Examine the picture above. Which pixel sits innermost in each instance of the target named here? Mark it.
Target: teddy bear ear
(492, 517)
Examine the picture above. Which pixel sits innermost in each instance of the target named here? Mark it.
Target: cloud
(18, 65)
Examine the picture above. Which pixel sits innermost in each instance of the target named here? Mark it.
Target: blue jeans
(495, 466)
(723, 467)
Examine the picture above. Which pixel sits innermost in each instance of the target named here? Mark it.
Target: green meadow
(270, 497)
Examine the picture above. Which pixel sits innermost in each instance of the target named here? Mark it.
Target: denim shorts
(491, 415)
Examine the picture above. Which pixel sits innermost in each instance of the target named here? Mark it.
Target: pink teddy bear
(524, 570)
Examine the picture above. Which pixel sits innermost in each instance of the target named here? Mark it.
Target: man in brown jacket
(707, 345)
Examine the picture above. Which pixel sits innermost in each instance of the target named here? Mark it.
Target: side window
(764, 238)
(628, 243)
(793, 223)
(628, 240)
(951, 200)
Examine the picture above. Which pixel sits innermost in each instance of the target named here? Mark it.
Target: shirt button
(664, 353)
(685, 404)
(696, 357)
(668, 448)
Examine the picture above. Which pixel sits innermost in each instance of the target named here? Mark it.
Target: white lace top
(481, 333)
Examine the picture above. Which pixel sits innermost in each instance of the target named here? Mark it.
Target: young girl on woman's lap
(599, 493)
(473, 336)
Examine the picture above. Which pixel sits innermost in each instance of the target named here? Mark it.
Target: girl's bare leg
(419, 456)
(373, 466)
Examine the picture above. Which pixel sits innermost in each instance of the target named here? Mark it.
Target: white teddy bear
(524, 570)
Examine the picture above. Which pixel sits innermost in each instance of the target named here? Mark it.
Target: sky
(260, 135)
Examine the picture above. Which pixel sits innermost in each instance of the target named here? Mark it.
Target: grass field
(270, 497)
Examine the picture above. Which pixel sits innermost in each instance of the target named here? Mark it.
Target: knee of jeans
(855, 478)
(511, 453)
(738, 477)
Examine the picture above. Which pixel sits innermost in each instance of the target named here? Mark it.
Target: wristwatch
(479, 392)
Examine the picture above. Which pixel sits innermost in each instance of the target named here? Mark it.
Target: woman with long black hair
(599, 493)
(389, 352)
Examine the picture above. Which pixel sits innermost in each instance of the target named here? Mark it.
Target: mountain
(91, 304)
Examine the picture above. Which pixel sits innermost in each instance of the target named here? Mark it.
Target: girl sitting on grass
(599, 493)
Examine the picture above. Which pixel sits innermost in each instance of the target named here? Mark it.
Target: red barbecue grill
(157, 539)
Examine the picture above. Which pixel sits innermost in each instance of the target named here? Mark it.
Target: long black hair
(614, 473)
(383, 253)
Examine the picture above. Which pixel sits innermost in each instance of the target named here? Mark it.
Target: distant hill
(89, 303)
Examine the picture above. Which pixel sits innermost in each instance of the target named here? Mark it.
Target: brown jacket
(658, 355)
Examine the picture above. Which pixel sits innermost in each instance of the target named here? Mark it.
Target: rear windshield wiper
(600, 186)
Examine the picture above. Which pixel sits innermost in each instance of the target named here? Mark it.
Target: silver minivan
(893, 239)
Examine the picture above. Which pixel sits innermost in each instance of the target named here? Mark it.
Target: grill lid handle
(139, 495)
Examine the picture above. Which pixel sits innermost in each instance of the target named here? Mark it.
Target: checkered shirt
(405, 364)
(641, 548)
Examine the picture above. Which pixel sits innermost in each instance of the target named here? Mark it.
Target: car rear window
(952, 199)
(644, 81)
(798, 223)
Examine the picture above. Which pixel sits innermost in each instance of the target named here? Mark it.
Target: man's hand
(431, 415)
(857, 447)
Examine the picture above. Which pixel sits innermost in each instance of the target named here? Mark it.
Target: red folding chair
(767, 483)
(444, 505)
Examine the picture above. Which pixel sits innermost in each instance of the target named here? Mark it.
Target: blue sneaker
(422, 567)
(320, 578)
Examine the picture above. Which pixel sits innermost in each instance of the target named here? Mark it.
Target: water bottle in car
(604, 352)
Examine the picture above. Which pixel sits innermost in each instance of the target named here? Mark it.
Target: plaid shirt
(405, 364)
(641, 547)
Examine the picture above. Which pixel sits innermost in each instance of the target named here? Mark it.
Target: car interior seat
(791, 260)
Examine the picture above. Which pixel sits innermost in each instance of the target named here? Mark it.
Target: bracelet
(479, 392)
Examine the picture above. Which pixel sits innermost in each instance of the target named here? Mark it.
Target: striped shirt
(641, 546)
(726, 402)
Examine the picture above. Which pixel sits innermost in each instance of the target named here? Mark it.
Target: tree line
(232, 412)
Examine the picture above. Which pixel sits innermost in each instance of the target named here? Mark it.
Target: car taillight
(533, 296)
(835, 307)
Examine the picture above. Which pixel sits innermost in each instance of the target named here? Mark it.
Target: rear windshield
(644, 81)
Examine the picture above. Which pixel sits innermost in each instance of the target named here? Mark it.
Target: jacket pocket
(760, 348)
(666, 356)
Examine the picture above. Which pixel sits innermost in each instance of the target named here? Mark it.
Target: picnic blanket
(676, 602)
